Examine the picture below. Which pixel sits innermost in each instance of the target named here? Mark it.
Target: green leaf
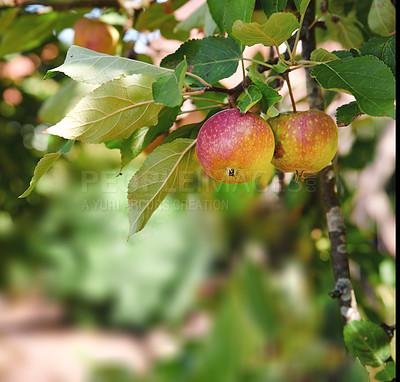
(382, 17)
(270, 96)
(6, 18)
(142, 137)
(322, 55)
(237, 10)
(278, 28)
(251, 96)
(369, 80)
(347, 113)
(382, 47)
(217, 11)
(200, 18)
(367, 341)
(281, 67)
(347, 30)
(162, 172)
(187, 131)
(27, 32)
(85, 65)
(169, 31)
(211, 58)
(273, 6)
(59, 104)
(301, 5)
(156, 15)
(167, 90)
(388, 373)
(44, 165)
(112, 111)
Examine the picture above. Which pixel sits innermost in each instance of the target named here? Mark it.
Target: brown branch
(343, 289)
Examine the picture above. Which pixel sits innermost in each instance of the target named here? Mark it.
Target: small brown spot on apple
(231, 171)
(279, 151)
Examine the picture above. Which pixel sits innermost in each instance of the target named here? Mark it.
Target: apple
(96, 35)
(235, 148)
(305, 141)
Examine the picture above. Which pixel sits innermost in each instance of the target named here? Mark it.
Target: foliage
(128, 103)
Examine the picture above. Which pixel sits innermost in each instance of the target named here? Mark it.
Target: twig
(290, 92)
(343, 289)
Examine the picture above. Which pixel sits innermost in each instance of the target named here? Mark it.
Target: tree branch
(343, 289)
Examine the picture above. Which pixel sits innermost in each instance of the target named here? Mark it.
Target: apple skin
(234, 147)
(95, 35)
(306, 141)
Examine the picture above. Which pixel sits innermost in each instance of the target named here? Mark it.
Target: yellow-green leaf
(277, 29)
(163, 171)
(112, 111)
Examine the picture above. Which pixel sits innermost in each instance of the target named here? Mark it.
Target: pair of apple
(236, 148)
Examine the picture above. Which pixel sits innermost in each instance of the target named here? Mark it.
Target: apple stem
(290, 92)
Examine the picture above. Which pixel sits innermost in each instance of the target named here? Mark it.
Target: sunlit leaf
(278, 28)
(44, 165)
(322, 55)
(163, 171)
(85, 65)
(112, 111)
(142, 137)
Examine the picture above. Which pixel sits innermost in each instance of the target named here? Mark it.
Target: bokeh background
(226, 283)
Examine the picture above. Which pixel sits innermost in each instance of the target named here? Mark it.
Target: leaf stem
(205, 83)
(296, 42)
(258, 62)
(206, 100)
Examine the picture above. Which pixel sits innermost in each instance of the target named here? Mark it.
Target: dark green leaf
(27, 32)
(251, 96)
(272, 6)
(167, 90)
(367, 341)
(388, 373)
(347, 113)
(115, 144)
(342, 53)
(382, 47)
(270, 96)
(367, 78)
(141, 138)
(217, 10)
(187, 131)
(211, 58)
(237, 10)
